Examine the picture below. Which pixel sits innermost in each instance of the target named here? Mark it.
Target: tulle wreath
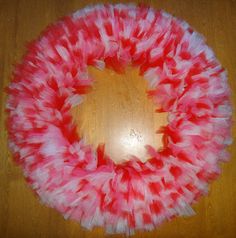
(184, 78)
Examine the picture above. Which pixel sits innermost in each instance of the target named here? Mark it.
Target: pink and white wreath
(185, 79)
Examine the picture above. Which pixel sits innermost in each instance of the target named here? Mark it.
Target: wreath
(84, 184)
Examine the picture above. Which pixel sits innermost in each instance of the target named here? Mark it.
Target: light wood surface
(123, 118)
(128, 120)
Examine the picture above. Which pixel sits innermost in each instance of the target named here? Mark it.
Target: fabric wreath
(184, 78)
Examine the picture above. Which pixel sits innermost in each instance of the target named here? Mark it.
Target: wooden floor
(123, 118)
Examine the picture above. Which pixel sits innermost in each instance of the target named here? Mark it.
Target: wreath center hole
(118, 113)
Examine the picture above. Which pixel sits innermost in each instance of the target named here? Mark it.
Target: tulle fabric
(184, 78)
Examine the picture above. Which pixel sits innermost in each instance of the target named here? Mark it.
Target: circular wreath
(184, 78)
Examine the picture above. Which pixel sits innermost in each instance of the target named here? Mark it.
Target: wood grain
(127, 123)
(123, 119)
